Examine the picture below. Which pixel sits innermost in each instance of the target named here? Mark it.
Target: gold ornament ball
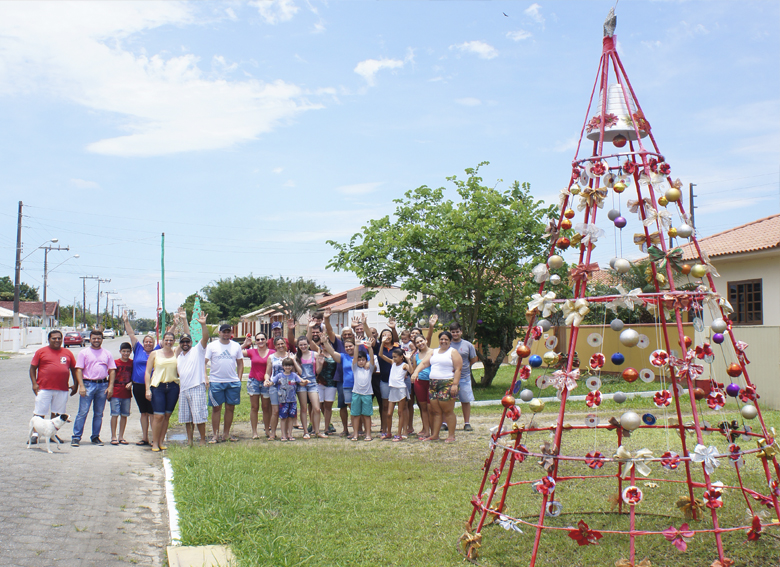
(619, 187)
(569, 214)
(555, 262)
(383, 313)
(550, 358)
(673, 195)
(536, 405)
(565, 224)
(672, 232)
(574, 190)
(381, 304)
(686, 269)
(698, 271)
(663, 201)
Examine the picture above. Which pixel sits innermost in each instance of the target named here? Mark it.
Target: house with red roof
(34, 312)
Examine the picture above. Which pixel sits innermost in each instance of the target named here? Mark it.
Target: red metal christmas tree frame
(489, 502)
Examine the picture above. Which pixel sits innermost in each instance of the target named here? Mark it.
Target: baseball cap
(276, 325)
(225, 327)
(185, 337)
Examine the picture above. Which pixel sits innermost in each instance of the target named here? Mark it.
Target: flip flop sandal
(123, 442)
(143, 443)
(307, 436)
(233, 439)
(396, 438)
(353, 438)
(368, 439)
(163, 447)
(322, 436)
(283, 439)
(155, 450)
(213, 441)
(291, 439)
(114, 442)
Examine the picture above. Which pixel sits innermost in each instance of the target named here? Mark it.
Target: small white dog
(46, 429)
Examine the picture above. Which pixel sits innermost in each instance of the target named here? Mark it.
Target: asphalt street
(85, 506)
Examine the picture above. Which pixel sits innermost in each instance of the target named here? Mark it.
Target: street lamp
(17, 283)
(46, 274)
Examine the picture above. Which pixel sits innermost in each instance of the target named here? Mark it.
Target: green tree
(143, 325)
(242, 294)
(470, 258)
(296, 299)
(207, 307)
(26, 292)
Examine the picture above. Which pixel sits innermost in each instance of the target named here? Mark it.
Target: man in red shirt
(49, 371)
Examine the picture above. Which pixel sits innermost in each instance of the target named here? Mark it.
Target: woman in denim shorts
(254, 387)
(307, 360)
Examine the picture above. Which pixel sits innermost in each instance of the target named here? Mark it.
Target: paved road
(86, 506)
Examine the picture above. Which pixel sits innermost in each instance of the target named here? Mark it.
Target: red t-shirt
(124, 375)
(53, 367)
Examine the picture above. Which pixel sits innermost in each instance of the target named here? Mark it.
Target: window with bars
(745, 298)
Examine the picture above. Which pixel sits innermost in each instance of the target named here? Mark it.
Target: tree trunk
(491, 368)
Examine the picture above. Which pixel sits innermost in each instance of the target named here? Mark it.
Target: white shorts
(397, 394)
(327, 394)
(193, 405)
(51, 401)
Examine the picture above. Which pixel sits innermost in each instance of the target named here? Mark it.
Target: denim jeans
(96, 397)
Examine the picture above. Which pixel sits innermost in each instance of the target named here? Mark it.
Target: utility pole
(97, 304)
(46, 250)
(84, 300)
(112, 309)
(17, 276)
(691, 196)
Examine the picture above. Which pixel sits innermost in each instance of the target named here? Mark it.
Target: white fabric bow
(564, 195)
(663, 216)
(575, 311)
(708, 456)
(590, 232)
(633, 204)
(627, 299)
(541, 273)
(710, 268)
(544, 303)
(564, 380)
(636, 460)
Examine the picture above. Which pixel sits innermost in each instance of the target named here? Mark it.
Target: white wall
(763, 265)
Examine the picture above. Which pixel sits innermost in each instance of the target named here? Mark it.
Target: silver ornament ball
(630, 420)
(613, 214)
(749, 411)
(555, 279)
(526, 395)
(616, 325)
(629, 337)
(612, 263)
(684, 231)
(545, 325)
(622, 266)
(719, 326)
(619, 397)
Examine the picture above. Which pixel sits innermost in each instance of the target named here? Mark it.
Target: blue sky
(252, 132)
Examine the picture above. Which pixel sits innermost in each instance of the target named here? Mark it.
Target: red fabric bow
(670, 460)
(521, 453)
(594, 459)
(633, 495)
(736, 452)
(665, 168)
(513, 413)
(629, 167)
(679, 538)
(494, 477)
(536, 332)
(476, 501)
(545, 486)
(713, 498)
(525, 372)
(593, 399)
(662, 398)
(597, 361)
(660, 358)
(755, 531)
(748, 394)
(715, 400)
(687, 366)
(582, 272)
(740, 346)
(703, 350)
(583, 535)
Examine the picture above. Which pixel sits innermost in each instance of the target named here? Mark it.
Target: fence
(14, 340)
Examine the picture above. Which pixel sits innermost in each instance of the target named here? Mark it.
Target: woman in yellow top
(162, 388)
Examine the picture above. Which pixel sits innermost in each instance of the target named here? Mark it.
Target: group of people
(315, 370)
(351, 370)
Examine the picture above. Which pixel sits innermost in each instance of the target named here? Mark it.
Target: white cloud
(370, 67)
(166, 104)
(84, 184)
(519, 35)
(468, 101)
(319, 27)
(359, 188)
(534, 11)
(278, 170)
(275, 11)
(480, 48)
(289, 183)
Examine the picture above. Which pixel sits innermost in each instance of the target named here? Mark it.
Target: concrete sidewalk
(86, 506)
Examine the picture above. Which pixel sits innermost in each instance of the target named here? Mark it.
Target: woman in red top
(259, 357)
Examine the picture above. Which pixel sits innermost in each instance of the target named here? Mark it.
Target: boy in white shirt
(362, 403)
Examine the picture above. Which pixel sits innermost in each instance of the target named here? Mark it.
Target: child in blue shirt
(286, 384)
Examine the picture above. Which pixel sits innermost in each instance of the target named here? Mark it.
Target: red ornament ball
(688, 342)
(565, 224)
(523, 351)
(563, 243)
(630, 375)
(508, 401)
(734, 370)
(699, 393)
(686, 269)
(619, 141)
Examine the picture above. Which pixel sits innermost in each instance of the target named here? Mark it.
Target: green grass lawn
(336, 502)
